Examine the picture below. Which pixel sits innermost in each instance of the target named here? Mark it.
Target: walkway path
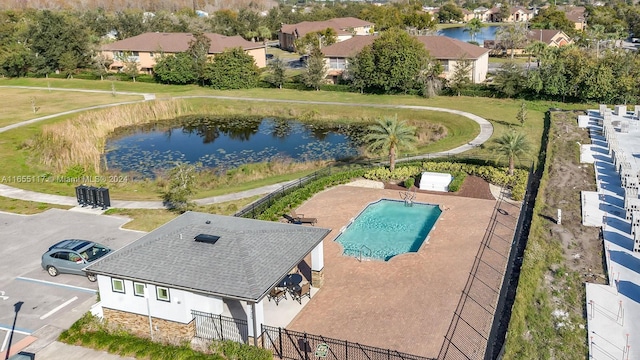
(486, 130)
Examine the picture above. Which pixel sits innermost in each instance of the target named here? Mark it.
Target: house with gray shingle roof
(206, 263)
(345, 28)
(145, 48)
(445, 49)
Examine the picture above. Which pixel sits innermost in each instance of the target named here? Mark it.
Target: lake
(223, 144)
(486, 33)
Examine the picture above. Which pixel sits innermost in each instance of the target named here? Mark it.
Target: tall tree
(277, 72)
(509, 79)
(390, 135)
(474, 27)
(176, 69)
(232, 69)
(461, 77)
(198, 51)
(316, 69)
(511, 146)
(512, 36)
(53, 34)
(398, 61)
(535, 49)
(554, 19)
(450, 12)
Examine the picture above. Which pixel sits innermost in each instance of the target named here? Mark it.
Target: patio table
(290, 280)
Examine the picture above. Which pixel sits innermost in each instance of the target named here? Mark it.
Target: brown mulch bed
(473, 187)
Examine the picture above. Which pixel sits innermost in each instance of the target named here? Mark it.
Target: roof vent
(206, 238)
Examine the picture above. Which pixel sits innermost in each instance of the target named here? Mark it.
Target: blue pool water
(388, 228)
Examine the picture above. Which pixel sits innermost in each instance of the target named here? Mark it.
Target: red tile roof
(440, 47)
(178, 42)
(340, 25)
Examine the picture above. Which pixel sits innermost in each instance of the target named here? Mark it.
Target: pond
(486, 33)
(227, 143)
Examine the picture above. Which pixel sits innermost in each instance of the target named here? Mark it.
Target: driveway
(31, 301)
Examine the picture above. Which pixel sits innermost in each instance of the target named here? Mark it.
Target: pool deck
(407, 303)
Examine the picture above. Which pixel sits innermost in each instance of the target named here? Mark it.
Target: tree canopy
(393, 63)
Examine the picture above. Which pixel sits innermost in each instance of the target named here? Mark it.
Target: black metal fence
(218, 327)
(258, 207)
(471, 329)
(288, 344)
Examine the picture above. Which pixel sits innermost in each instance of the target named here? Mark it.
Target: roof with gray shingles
(250, 257)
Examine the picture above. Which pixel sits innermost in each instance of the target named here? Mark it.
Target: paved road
(486, 130)
(47, 305)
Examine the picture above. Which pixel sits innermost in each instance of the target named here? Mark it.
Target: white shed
(435, 181)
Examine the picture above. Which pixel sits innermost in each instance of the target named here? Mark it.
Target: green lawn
(15, 159)
(19, 103)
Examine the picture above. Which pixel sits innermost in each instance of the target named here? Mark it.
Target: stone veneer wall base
(163, 330)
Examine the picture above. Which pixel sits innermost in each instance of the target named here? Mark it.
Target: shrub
(409, 182)
(458, 180)
(494, 175)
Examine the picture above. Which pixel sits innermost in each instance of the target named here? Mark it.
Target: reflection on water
(486, 33)
(227, 143)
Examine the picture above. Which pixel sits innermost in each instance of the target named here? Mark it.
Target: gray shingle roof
(245, 263)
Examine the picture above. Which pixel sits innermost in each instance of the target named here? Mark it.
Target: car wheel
(52, 270)
(92, 277)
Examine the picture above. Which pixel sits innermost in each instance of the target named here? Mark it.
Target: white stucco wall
(178, 309)
(481, 67)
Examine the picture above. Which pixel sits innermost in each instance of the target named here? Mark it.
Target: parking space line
(4, 343)
(16, 330)
(58, 308)
(70, 287)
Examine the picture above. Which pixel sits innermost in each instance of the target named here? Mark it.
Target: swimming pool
(387, 228)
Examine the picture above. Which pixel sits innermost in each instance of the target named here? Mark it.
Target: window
(162, 293)
(138, 289)
(117, 285)
(337, 63)
(151, 54)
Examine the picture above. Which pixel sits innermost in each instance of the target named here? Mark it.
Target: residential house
(145, 48)
(553, 38)
(204, 263)
(447, 50)
(516, 14)
(576, 14)
(467, 15)
(345, 28)
(482, 13)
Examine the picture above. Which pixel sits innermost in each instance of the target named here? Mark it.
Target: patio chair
(277, 294)
(291, 219)
(302, 291)
(302, 219)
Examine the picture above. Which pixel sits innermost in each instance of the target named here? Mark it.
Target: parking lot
(31, 301)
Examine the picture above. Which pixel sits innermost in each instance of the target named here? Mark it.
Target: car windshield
(95, 252)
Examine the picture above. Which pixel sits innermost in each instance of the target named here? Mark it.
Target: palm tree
(474, 27)
(390, 134)
(511, 145)
(535, 49)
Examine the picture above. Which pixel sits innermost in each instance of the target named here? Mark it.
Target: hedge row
(296, 198)
(497, 176)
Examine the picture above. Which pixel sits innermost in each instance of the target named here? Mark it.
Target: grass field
(26, 207)
(16, 160)
(19, 103)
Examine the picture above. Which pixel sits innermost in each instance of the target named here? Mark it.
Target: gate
(218, 327)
